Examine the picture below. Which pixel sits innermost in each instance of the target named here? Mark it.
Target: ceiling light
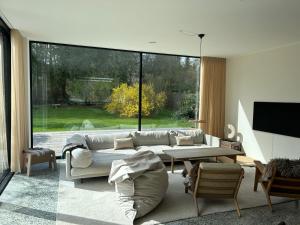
(152, 42)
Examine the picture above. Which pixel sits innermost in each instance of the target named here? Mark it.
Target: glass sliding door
(3, 139)
(169, 91)
(81, 90)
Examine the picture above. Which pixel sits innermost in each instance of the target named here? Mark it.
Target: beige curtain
(19, 103)
(212, 96)
(3, 142)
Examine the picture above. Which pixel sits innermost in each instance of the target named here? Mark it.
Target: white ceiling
(232, 27)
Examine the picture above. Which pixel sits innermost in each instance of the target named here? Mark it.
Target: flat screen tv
(277, 117)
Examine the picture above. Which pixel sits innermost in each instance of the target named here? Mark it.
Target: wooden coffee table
(188, 153)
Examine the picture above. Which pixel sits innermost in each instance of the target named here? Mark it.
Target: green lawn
(68, 118)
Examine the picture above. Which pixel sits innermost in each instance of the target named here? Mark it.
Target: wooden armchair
(216, 180)
(277, 185)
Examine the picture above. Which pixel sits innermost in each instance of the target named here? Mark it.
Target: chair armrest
(68, 165)
(212, 140)
(259, 166)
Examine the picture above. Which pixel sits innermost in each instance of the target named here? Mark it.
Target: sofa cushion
(158, 150)
(77, 139)
(150, 138)
(195, 146)
(101, 164)
(196, 134)
(172, 137)
(123, 143)
(81, 158)
(104, 141)
(184, 140)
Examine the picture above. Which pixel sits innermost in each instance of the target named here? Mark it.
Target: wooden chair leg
(237, 207)
(28, 165)
(196, 205)
(269, 201)
(50, 163)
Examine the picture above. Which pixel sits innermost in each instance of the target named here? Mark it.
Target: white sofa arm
(68, 165)
(212, 140)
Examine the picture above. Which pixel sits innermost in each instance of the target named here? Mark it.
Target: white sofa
(103, 152)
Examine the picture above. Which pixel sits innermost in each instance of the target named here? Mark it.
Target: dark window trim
(112, 49)
(91, 47)
(5, 31)
(140, 93)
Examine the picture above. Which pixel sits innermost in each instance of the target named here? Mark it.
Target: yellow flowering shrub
(125, 100)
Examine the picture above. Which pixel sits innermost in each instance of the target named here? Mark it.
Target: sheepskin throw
(284, 168)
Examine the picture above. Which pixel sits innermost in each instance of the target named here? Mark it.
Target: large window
(173, 81)
(88, 90)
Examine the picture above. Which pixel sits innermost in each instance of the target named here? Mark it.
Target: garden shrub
(124, 100)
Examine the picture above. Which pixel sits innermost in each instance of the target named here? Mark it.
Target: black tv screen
(277, 117)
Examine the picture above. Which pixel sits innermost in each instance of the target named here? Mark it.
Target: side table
(39, 155)
(229, 145)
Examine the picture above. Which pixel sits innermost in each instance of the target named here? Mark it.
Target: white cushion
(81, 158)
(123, 143)
(150, 138)
(104, 141)
(184, 140)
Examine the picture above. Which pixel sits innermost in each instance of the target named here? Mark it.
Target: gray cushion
(184, 140)
(196, 134)
(81, 158)
(123, 143)
(104, 141)
(101, 164)
(150, 138)
(158, 150)
(77, 139)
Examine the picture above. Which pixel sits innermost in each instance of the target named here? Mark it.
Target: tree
(124, 100)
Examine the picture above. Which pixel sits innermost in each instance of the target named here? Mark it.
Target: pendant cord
(198, 83)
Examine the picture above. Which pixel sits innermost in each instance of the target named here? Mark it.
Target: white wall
(266, 76)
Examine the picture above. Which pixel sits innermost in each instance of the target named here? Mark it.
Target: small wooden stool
(34, 156)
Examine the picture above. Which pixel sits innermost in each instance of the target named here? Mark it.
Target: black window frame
(5, 31)
(102, 48)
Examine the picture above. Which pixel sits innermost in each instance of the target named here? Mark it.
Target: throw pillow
(81, 158)
(184, 140)
(121, 143)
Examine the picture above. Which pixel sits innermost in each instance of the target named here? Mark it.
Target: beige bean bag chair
(141, 181)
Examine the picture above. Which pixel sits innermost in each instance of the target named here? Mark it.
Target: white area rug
(94, 202)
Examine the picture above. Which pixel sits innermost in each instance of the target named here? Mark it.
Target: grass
(66, 118)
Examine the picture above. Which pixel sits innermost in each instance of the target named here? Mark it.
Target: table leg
(172, 164)
(28, 164)
(234, 158)
(257, 176)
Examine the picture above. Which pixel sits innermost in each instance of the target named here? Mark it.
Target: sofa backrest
(104, 141)
(196, 134)
(150, 138)
(140, 138)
